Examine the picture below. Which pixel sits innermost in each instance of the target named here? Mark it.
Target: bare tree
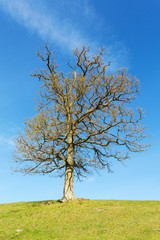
(82, 121)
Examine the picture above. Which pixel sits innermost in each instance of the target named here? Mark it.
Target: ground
(81, 219)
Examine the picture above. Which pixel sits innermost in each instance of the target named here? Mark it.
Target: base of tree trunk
(67, 197)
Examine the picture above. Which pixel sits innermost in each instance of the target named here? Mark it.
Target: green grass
(81, 219)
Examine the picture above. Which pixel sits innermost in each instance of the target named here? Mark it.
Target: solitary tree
(83, 119)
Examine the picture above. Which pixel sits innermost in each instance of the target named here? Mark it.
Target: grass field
(81, 219)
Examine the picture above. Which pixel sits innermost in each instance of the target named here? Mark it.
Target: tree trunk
(68, 182)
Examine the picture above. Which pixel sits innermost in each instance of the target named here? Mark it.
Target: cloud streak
(36, 18)
(50, 25)
(6, 142)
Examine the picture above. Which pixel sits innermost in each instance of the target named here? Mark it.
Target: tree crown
(89, 109)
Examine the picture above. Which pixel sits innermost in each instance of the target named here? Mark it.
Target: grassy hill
(81, 219)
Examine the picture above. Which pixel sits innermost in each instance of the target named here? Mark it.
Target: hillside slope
(81, 219)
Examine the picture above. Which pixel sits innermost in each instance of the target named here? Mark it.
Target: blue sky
(130, 32)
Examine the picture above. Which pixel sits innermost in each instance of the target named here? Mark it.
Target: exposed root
(68, 198)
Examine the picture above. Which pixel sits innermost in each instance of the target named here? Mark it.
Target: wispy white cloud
(8, 133)
(91, 179)
(82, 8)
(50, 25)
(35, 17)
(6, 141)
(119, 56)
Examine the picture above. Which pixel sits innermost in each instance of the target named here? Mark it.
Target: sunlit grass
(81, 219)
